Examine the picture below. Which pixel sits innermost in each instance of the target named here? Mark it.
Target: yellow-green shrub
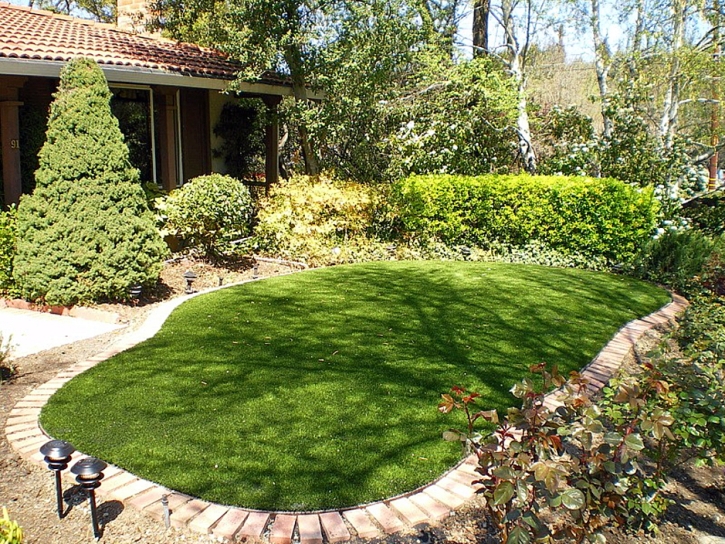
(319, 221)
(10, 531)
(586, 216)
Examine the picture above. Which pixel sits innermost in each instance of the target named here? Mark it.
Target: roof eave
(141, 76)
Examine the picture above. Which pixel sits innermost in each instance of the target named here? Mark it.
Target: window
(133, 106)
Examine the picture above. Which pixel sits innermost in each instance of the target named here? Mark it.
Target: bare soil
(27, 490)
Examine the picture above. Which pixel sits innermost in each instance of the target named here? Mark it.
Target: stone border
(432, 502)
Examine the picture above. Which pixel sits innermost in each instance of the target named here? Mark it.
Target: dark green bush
(33, 124)
(8, 227)
(707, 213)
(208, 213)
(86, 233)
(675, 259)
(593, 218)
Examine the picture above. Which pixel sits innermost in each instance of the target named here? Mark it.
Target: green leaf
(503, 493)
(522, 491)
(634, 442)
(573, 499)
(613, 439)
(505, 473)
(518, 535)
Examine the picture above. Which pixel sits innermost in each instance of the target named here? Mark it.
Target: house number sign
(14, 144)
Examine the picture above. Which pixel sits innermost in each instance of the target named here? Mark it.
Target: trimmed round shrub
(86, 233)
(208, 213)
(589, 217)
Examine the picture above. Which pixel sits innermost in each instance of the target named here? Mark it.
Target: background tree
(85, 234)
(283, 36)
(100, 10)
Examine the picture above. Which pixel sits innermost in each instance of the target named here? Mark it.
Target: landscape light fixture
(255, 270)
(189, 276)
(167, 512)
(57, 455)
(89, 473)
(135, 292)
(465, 251)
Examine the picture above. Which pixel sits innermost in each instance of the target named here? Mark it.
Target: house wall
(196, 153)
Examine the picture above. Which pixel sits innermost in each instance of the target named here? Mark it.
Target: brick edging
(431, 502)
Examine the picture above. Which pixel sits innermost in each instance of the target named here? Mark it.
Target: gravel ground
(28, 490)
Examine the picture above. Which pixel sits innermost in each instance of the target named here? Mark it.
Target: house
(172, 92)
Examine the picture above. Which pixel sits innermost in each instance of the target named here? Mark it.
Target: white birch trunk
(671, 105)
(601, 64)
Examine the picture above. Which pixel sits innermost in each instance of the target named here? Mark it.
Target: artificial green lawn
(319, 390)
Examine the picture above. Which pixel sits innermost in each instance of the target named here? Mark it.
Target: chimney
(132, 15)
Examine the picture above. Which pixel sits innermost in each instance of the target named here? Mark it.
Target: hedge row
(585, 216)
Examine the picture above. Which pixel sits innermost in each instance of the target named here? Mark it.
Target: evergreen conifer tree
(86, 233)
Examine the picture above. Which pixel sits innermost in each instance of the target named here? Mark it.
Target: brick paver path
(432, 502)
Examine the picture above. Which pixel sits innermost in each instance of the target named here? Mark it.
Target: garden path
(27, 332)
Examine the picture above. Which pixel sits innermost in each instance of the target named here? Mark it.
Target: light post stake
(89, 473)
(57, 455)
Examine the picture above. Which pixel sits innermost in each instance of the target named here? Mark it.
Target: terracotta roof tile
(41, 35)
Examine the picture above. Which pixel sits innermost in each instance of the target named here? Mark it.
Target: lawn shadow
(379, 339)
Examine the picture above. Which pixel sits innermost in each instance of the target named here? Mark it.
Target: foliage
(700, 377)
(7, 367)
(594, 218)
(581, 459)
(33, 124)
(208, 212)
(10, 531)
(85, 234)
(100, 10)
(8, 229)
(565, 136)
(631, 152)
(675, 258)
(368, 345)
(241, 128)
(351, 126)
(603, 461)
(536, 252)
(702, 330)
(460, 122)
(320, 221)
(706, 213)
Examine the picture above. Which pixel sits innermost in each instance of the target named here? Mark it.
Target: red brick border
(431, 502)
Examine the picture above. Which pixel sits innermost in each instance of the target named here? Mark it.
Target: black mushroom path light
(89, 473)
(57, 455)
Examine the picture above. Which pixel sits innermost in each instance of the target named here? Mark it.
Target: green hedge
(577, 215)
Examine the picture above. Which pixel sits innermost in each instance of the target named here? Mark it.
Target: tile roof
(31, 34)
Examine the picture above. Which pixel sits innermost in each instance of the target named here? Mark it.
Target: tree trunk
(601, 65)
(293, 57)
(481, 9)
(671, 106)
(526, 148)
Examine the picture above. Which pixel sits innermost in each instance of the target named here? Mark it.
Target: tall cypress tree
(86, 233)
